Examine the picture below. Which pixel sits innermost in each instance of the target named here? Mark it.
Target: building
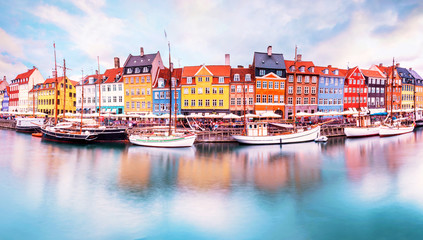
(161, 92)
(21, 86)
(355, 90)
(138, 74)
(418, 87)
(33, 98)
(91, 94)
(205, 89)
(47, 96)
(407, 89)
(242, 87)
(112, 92)
(375, 81)
(393, 87)
(270, 78)
(3, 83)
(331, 89)
(302, 86)
(5, 102)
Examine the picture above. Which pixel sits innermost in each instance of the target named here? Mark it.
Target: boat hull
(27, 129)
(361, 131)
(304, 136)
(163, 141)
(67, 137)
(109, 134)
(386, 131)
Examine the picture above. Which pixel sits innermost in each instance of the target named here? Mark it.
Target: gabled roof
(351, 71)
(372, 73)
(404, 73)
(165, 74)
(110, 75)
(415, 74)
(190, 71)
(331, 71)
(26, 74)
(216, 70)
(138, 61)
(306, 64)
(242, 72)
(274, 61)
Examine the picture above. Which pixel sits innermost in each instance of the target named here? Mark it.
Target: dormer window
(137, 70)
(311, 69)
(129, 70)
(336, 72)
(222, 79)
(189, 79)
(173, 82)
(145, 69)
(279, 73)
(161, 83)
(302, 69)
(326, 71)
(247, 77)
(236, 77)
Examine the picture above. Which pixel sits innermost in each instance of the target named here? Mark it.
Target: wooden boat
(361, 131)
(257, 133)
(171, 141)
(28, 125)
(62, 135)
(395, 129)
(37, 134)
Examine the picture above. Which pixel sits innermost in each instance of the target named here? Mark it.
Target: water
(369, 188)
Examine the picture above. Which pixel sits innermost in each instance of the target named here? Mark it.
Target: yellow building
(205, 89)
(139, 74)
(407, 96)
(47, 97)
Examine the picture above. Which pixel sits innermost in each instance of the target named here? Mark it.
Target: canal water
(370, 188)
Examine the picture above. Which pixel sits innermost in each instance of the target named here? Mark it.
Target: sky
(340, 33)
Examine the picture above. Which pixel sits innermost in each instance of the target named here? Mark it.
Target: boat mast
(99, 89)
(414, 98)
(359, 103)
(245, 108)
(56, 83)
(82, 100)
(33, 98)
(392, 84)
(294, 88)
(64, 88)
(170, 93)
(386, 93)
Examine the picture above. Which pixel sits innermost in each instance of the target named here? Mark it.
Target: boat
(171, 141)
(63, 135)
(168, 139)
(364, 128)
(321, 139)
(257, 133)
(29, 125)
(397, 128)
(37, 134)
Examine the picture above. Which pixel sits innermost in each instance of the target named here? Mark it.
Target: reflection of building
(135, 170)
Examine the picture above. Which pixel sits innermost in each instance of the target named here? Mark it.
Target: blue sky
(336, 32)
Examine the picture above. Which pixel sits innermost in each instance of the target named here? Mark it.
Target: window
(306, 100)
(143, 91)
(185, 103)
(120, 99)
(313, 100)
(220, 90)
(251, 88)
(192, 103)
(258, 84)
(313, 79)
(189, 80)
(185, 90)
(207, 103)
(232, 88)
(305, 90)
(298, 90)
(270, 85)
(214, 103)
(290, 90)
(289, 100)
(114, 99)
(321, 90)
(232, 101)
(282, 85)
(276, 85)
(276, 99)
(279, 72)
(200, 102)
(313, 90)
(247, 77)
(127, 92)
(132, 91)
(298, 100)
(220, 103)
(207, 79)
(258, 98)
(138, 91)
(214, 90)
(264, 85)
(200, 90)
(299, 79)
(127, 104)
(264, 98)
(192, 90)
(200, 79)
(207, 90)
(270, 99)
(291, 78)
(236, 77)
(262, 72)
(250, 101)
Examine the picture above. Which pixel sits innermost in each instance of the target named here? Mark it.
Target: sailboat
(63, 132)
(394, 126)
(256, 133)
(168, 139)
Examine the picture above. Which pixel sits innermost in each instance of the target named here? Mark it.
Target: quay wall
(10, 124)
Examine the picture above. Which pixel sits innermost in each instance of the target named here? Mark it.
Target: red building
(355, 89)
(241, 86)
(393, 88)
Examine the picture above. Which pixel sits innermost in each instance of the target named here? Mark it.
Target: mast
(99, 89)
(245, 103)
(33, 99)
(64, 88)
(56, 83)
(392, 84)
(414, 98)
(386, 93)
(294, 88)
(170, 93)
(359, 103)
(82, 100)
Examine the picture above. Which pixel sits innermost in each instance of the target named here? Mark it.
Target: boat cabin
(29, 122)
(257, 129)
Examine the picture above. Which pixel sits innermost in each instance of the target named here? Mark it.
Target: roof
(136, 61)
(25, 74)
(242, 72)
(415, 74)
(110, 75)
(164, 73)
(216, 70)
(351, 70)
(404, 73)
(306, 64)
(87, 78)
(331, 72)
(190, 71)
(372, 73)
(274, 61)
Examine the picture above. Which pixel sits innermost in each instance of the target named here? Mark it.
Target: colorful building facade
(375, 81)
(112, 92)
(418, 87)
(355, 90)
(301, 86)
(270, 77)
(205, 89)
(66, 94)
(331, 89)
(161, 92)
(407, 89)
(242, 86)
(139, 74)
(393, 86)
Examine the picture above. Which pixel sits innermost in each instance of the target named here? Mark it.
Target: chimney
(380, 64)
(299, 57)
(329, 66)
(4, 78)
(269, 51)
(411, 69)
(240, 66)
(96, 72)
(142, 52)
(33, 67)
(171, 67)
(117, 62)
(227, 59)
(397, 65)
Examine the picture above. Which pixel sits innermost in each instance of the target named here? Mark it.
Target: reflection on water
(211, 191)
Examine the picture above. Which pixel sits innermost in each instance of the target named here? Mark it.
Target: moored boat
(66, 136)
(387, 130)
(29, 125)
(361, 131)
(171, 141)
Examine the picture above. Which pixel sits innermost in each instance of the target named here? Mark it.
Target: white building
(23, 83)
(112, 92)
(90, 94)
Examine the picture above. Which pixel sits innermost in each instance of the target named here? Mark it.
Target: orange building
(242, 86)
(393, 88)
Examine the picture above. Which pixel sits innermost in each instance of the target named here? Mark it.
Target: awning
(114, 110)
(108, 110)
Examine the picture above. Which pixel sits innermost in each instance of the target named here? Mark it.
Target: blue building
(5, 102)
(331, 89)
(161, 95)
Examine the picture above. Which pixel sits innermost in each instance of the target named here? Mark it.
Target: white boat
(177, 140)
(361, 131)
(257, 134)
(321, 139)
(29, 125)
(396, 129)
